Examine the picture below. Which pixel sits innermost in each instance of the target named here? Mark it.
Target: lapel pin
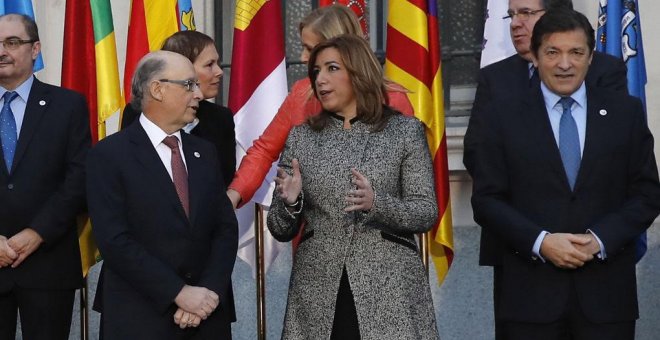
(196, 154)
(602, 112)
(42, 102)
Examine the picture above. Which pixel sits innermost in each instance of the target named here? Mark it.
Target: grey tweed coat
(390, 288)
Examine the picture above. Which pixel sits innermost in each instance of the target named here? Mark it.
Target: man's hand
(197, 300)
(24, 244)
(562, 251)
(593, 247)
(186, 319)
(7, 255)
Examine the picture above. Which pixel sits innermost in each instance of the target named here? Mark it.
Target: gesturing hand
(561, 250)
(197, 300)
(289, 187)
(362, 197)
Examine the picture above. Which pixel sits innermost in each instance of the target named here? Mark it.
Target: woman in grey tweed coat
(360, 175)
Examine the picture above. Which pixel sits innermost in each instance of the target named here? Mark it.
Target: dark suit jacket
(46, 188)
(150, 248)
(520, 189)
(508, 81)
(216, 125)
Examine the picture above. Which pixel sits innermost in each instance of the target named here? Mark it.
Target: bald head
(165, 88)
(149, 68)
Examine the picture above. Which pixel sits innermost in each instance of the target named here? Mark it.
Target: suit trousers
(572, 325)
(45, 314)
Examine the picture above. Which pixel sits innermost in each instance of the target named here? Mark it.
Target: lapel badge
(42, 102)
(196, 154)
(602, 112)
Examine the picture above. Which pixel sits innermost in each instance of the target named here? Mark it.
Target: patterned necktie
(179, 173)
(569, 141)
(8, 133)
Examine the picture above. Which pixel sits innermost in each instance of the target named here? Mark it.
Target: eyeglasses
(523, 14)
(188, 84)
(14, 43)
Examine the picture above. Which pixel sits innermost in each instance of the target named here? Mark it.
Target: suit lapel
(536, 119)
(195, 179)
(146, 155)
(37, 104)
(595, 136)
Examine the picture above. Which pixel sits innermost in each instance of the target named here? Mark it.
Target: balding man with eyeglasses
(45, 137)
(164, 226)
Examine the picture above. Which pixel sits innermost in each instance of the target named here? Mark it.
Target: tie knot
(566, 103)
(9, 96)
(172, 142)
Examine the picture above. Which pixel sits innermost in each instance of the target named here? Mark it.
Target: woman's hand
(362, 197)
(234, 197)
(289, 187)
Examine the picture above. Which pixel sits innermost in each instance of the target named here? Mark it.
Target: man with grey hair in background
(164, 226)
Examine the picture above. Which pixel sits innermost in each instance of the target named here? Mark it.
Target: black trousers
(45, 314)
(573, 325)
(345, 325)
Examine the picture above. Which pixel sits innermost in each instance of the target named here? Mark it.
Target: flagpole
(261, 277)
(84, 320)
(424, 250)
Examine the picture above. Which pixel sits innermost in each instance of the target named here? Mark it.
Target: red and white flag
(257, 88)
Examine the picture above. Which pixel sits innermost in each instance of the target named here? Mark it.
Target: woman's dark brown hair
(366, 77)
(190, 44)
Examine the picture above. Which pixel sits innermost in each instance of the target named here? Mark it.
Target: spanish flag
(89, 66)
(413, 60)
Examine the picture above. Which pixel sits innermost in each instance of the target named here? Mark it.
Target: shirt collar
(579, 96)
(155, 133)
(23, 90)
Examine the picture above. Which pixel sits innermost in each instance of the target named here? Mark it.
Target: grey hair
(28, 23)
(146, 71)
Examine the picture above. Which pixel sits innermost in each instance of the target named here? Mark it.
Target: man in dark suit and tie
(45, 137)
(510, 80)
(163, 223)
(567, 179)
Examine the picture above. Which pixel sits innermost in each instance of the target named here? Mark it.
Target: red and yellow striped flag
(413, 60)
(89, 66)
(151, 22)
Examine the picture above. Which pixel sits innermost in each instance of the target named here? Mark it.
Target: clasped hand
(569, 251)
(195, 304)
(15, 250)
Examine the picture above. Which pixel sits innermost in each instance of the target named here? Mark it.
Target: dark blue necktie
(569, 141)
(8, 133)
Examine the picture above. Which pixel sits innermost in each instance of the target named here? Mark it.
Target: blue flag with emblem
(620, 34)
(21, 7)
